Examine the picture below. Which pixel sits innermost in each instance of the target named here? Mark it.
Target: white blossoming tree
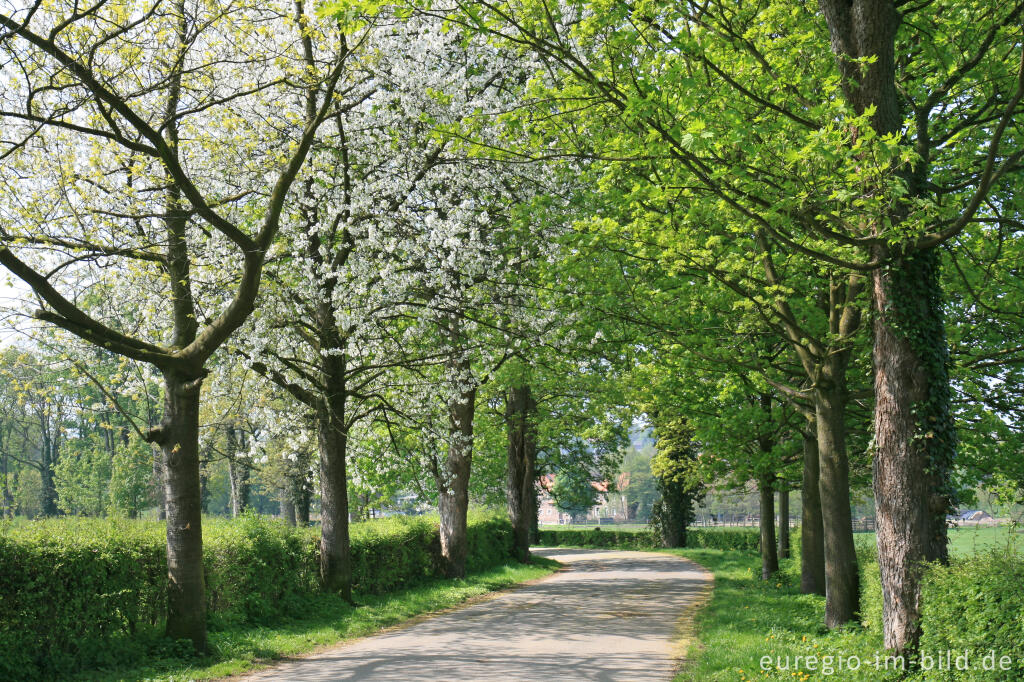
(139, 135)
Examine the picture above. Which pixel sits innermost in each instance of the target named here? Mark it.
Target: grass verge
(748, 619)
(328, 621)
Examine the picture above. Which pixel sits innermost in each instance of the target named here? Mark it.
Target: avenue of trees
(317, 259)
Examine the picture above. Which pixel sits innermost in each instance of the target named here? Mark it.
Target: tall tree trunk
(784, 523)
(330, 408)
(521, 463)
(204, 478)
(842, 580)
(453, 502)
(178, 437)
(296, 492)
(8, 499)
(769, 556)
(178, 433)
(238, 472)
(332, 437)
(335, 559)
(204, 490)
(915, 439)
(673, 533)
(159, 484)
(534, 510)
(48, 495)
(812, 534)
(233, 488)
(287, 504)
(302, 504)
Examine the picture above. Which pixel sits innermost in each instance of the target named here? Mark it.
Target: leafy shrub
(870, 587)
(976, 606)
(491, 541)
(256, 570)
(79, 593)
(389, 554)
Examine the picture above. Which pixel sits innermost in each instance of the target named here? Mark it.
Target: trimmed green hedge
(69, 588)
(596, 537)
(976, 606)
(708, 538)
(748, 539)
(76, 593)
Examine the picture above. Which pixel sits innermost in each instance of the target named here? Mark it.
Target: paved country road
(612, 615)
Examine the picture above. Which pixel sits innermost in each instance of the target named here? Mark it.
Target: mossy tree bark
(914, 438)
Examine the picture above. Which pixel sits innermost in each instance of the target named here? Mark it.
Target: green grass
(748, 619)
(329, 621)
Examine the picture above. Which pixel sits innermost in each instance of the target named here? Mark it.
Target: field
(968, 541)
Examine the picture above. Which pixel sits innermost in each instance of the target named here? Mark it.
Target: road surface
(611, 615)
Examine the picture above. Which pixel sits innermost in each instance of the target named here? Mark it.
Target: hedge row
(975, 607)
(712, 538)
(597, 537)
(75, 593)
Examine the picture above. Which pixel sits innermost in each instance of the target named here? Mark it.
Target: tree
(931, 195)
(812, 532)
(520, 416)
(673, 468)
(48, 406)
(142, 115)
(638, 487)
(574, 492)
